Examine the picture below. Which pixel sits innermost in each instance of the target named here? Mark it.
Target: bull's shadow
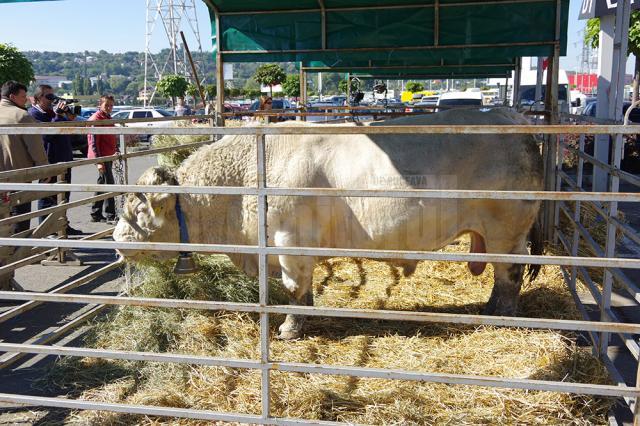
(539, 302)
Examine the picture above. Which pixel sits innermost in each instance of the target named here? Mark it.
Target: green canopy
(390, 37)
(436, 38)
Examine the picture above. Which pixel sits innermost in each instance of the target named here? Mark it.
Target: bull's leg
(297, 274)
(507, 283)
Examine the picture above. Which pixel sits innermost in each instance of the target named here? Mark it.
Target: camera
(68, 108)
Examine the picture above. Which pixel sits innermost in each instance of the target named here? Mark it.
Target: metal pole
(146, 58)
(193, 69)
(553, 117)
(610, 246)
(605, 97)
(516, 83)
(263, 272)
(539, 78)
(174, 47)
(576, 215)
(219, 72)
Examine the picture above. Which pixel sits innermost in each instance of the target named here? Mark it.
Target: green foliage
(192, 90)
(210, 90)
(173, 86)
(235, 92)
(413, 87)
(592, 33)
(270, 75)
(291, 86)
(251, 88)
(14, 66)
(342, 86)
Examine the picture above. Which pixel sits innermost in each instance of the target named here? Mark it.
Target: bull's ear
(158, 202)
(157, 176)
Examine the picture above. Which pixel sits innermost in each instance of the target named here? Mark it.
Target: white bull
(400, 161)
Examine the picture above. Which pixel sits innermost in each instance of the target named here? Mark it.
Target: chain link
(118, 174)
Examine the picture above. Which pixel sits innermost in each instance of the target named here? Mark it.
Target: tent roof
(433, 38)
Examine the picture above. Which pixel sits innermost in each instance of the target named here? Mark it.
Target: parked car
(426, 101)
(591, 109)
(87, 112)
(460, 99)
(277, 104)
(144, 113)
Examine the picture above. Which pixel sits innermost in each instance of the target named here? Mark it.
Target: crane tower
(165, 19)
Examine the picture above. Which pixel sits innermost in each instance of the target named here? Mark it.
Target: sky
(119, 26)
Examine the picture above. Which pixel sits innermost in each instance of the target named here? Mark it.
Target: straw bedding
(340, 282)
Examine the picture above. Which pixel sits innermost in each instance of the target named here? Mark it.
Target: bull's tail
(537, 247)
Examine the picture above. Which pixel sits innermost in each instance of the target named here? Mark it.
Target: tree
(291, 86)
(413, 87)
(192, 90)
(211, 90)
(14, 66)
(251, 88)
(173, 86)
(86, 86)
(78, 87)
(270, 75)
(342, 86)
(592, 37)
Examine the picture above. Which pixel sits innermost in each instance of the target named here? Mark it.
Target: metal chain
(118, 173)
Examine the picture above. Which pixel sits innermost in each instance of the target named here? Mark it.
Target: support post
(516, 82)
(539, 77)
(612, 57)
(219, 73)
(551, 141)
(263, 277)
(303, 92)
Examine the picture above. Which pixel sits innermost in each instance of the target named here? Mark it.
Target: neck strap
(184, 232)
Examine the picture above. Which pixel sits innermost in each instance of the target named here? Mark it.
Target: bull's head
(149, 217)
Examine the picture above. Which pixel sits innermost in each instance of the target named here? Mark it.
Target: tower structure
(164, 20)
(588, 60)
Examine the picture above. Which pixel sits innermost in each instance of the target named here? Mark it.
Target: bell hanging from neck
(185, 265)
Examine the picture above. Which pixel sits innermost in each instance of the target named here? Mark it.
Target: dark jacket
(101, 145)
(19, 151)
(58, 147)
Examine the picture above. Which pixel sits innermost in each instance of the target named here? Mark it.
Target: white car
(467, 98)
(126, 114)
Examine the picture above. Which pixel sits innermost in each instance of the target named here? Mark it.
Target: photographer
(49, 108)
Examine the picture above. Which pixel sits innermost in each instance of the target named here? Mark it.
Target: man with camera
(48, 108)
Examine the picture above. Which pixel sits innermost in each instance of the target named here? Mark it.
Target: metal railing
(572, 238)
(598, 329)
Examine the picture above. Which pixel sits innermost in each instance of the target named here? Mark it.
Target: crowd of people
(23, 151)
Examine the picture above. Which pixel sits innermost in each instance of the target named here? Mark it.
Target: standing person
(266, 104)
(18, 151)
(103, 146)
(180, 109)
(57, 147)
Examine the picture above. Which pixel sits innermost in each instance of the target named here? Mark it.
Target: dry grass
(436, 286)
(173, 159)
(596, 225)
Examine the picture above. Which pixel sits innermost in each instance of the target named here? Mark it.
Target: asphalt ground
(21, 377)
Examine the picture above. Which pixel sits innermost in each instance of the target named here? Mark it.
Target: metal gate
(571, 263)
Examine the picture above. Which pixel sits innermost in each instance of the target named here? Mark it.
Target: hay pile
(340, 282)
(173, 159)
(596, 225)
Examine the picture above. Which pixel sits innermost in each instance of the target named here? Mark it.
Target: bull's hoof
(499, 311)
